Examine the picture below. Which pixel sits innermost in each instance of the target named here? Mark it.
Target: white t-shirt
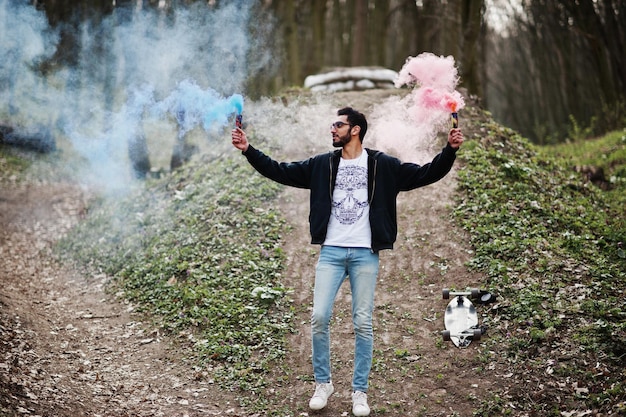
(349, 224)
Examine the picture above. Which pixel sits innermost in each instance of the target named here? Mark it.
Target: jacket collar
(372, 153)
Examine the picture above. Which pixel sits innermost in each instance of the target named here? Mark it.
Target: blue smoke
(193, 106)
(188, 66)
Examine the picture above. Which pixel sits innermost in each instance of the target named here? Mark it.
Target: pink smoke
(435, 79)
(431, 98)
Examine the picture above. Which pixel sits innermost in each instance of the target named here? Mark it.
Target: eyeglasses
(338, 125)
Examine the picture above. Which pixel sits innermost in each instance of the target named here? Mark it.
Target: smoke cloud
(133, 70)
(434, 79)
(144, 72)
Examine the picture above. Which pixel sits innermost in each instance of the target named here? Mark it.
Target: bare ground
(67, 348)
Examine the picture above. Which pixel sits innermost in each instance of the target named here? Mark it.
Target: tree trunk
(293, 49)
(318, 20)
(359, 34)
(472, 23)
(379, 30)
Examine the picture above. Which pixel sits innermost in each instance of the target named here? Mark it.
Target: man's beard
(343, 140)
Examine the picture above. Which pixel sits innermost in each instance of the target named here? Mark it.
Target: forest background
(551, 69)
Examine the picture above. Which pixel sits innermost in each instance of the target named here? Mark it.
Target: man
(353, 216)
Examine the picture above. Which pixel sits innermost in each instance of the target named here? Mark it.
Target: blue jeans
(334, 264)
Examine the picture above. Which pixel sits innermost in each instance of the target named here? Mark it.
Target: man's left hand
(455, 138)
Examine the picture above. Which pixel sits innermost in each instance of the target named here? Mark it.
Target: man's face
(340, 131)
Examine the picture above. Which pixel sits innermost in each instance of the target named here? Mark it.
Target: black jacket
(387, 177)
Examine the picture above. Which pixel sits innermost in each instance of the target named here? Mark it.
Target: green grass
(551, 244)
(198, 251)
(11, 163)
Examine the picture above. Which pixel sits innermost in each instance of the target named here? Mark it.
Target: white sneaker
(320, 398)
(359, 404)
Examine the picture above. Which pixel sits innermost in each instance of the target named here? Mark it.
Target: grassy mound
(551, 243)
(198, 251)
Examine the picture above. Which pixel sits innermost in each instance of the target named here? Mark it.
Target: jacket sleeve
(412, 176)
(294, 174)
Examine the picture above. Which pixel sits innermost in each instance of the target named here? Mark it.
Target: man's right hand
(239, 139)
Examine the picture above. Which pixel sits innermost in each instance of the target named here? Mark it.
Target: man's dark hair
(355, 118)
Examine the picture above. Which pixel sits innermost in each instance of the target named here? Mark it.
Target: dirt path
(414, 372)
(66, 347)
